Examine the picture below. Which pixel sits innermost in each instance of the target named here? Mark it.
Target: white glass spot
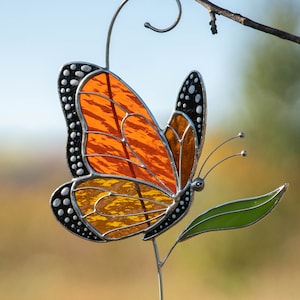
(70, 211)
(60, 212)
(66, 72)
(79, 73)
(86, 68)
(67, 106)
(56, 202)
(64, 82)
(197, 98)
(73, 135)
(199, 109)
(74, 82)
(66, 201)
(192, 89)
(80, 172)
(65, 191)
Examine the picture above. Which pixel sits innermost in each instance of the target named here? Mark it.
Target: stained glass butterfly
(129, 175)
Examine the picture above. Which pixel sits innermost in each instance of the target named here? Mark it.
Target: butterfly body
(129, 175)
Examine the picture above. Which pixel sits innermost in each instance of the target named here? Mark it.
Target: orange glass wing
(118, 208)
(121, 137)
(181, 137)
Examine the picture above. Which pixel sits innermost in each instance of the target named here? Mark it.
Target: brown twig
(214, 9)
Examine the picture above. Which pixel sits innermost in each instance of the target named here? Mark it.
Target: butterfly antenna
(242, 153)
(239, 135)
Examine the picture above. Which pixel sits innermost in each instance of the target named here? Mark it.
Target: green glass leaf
(234, 214)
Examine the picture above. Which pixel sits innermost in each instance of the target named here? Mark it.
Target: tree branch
(214, 9)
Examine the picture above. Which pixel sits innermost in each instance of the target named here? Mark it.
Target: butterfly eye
(198, 184)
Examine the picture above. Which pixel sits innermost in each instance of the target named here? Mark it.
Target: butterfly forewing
(186, 129)
(185, 134)
(121, 137)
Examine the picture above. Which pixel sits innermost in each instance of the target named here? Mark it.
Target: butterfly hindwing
(118, 208)
(65, 212)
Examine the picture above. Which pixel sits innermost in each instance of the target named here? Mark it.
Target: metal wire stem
(159, 271)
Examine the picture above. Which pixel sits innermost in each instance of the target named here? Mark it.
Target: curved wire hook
(147, 25)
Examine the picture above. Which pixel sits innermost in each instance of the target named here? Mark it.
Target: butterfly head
(198, 184)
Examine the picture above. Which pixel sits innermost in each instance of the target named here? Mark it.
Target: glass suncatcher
(129, 175)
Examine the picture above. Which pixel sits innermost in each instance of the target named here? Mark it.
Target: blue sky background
(38, 37)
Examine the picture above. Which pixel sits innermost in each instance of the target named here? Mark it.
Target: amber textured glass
(122, 138)
(181, 139)
(118, 208)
